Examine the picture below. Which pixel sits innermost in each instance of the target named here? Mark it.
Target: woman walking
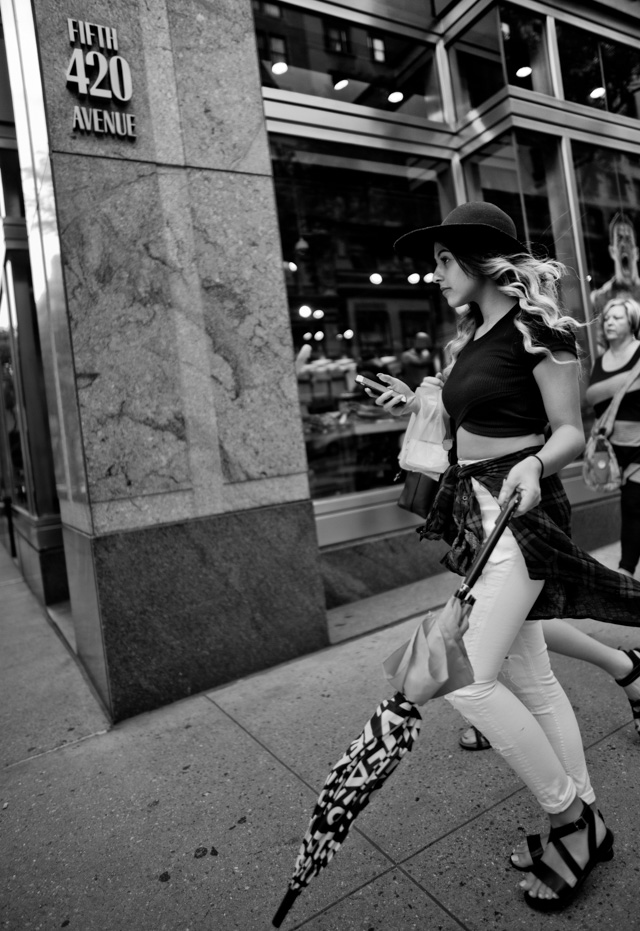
(621, 325)
(514, 372)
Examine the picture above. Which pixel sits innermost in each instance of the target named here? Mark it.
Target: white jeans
(531, 724)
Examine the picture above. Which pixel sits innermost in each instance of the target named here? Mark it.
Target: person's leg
(528, 672)
(504, 596)
(527, 665)
(630, 526)
(562, 637)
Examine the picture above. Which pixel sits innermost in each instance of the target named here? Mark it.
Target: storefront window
(27, 461)
(525, 49)
(476, 64)
(608, 185)
(352, 300)
(492, 175)
(599, 73)
(345, 61)
(13, 478)
(11, 200)
(522, 173)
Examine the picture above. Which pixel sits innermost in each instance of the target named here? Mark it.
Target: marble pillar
(181, 467)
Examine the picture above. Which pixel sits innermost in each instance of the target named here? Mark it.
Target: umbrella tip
(285, 905)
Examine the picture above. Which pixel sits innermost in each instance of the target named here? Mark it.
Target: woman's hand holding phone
(391, 399)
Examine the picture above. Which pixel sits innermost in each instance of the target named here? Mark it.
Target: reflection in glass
(608, 185)
(522, 173)
(13, 480)
(32, 481)
(525, 49)
(345, 61)
(492, 175)
(599, 73)
(11, 200)
(476, 64)
(340, 210)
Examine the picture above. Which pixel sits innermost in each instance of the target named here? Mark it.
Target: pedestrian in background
(419, 361)
(621, 326)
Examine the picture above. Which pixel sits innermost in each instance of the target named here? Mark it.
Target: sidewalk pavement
(189, 818)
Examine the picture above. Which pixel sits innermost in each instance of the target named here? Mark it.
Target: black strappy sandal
(536, 850)
(634, 656)
(478, 742)
(534, 843)
(598, 853)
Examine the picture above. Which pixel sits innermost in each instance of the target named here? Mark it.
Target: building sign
(96, 71)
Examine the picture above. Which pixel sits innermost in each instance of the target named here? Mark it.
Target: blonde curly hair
(531, 281)
(631, 308)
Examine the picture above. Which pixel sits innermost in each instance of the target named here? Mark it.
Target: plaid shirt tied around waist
(576, 584)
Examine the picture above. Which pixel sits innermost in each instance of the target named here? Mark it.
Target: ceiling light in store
(279, 67)
(414, 278)
(395, 97)
(292, 266)
(308, 336)
(318, 314)
(524, 72)
(597, 93)
(375, 278)
(341, 84)
(304, 311)
(428, 278)
(318, 335)
(302, 245)
(348, 334)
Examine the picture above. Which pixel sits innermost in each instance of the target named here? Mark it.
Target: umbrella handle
(488, 546)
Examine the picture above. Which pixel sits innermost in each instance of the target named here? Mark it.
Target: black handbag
(418, 494)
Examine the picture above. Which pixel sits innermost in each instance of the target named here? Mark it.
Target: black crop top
(630, 405)
(491, 390)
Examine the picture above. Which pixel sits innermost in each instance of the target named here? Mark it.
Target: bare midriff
(475, 446)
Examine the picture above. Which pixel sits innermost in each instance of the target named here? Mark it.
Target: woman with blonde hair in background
(621, 325)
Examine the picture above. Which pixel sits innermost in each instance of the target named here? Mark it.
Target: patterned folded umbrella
(369, 761)
(433, 662)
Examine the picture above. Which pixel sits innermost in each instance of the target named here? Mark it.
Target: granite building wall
(180, 464)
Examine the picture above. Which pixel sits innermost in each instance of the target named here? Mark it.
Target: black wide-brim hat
(475, 227)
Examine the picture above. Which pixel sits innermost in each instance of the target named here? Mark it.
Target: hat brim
(475, 238)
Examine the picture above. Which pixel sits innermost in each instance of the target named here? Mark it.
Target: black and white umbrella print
(371, 758)
(433, 662)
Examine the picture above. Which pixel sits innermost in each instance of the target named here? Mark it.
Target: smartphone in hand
(377, 386)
